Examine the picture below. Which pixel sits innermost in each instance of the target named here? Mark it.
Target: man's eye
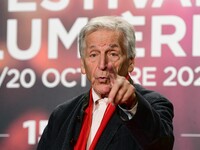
(113, 54)
(93, 55)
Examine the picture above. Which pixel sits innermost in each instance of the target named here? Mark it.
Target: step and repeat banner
(40, 63)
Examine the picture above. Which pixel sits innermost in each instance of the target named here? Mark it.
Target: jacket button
(72, 141)
(78, 118)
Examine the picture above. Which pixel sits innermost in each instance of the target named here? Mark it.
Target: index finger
(112, 73)
(113, 76)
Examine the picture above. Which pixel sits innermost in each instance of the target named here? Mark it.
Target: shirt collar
(95, 97)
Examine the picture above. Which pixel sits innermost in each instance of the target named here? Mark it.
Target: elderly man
(115, 114)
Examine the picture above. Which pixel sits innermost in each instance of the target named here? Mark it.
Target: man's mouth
(103, 79)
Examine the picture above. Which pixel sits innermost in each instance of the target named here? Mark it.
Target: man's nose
(102, 62)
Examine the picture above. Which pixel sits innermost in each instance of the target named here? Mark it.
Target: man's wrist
(128, 114)
(130, 103)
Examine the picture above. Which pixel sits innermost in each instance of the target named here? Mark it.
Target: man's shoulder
(148, 94)
(73, 101)
(69, 105)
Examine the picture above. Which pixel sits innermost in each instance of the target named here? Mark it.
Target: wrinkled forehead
(101, 40)
(104, 46)
(114, 37)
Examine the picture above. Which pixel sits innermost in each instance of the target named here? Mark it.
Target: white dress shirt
(99, 107)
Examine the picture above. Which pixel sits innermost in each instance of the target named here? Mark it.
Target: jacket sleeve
(52, 130)
(62, 125)
(46, 138)
(152, 123)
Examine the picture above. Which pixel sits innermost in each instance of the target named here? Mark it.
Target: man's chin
(103, 90)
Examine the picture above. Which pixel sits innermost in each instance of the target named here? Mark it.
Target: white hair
(111, 23)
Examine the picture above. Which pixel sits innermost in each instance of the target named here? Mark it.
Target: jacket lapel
(109, 132)
(74, 126)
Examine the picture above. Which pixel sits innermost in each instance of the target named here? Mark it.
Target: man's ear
(83, 67)
(131, 64)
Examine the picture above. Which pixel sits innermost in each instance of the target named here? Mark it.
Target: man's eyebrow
(113, 45)
(92, 46)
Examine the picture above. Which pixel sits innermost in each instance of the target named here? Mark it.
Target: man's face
(104, 56)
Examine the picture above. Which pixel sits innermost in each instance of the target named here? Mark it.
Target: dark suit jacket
(150, 128)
